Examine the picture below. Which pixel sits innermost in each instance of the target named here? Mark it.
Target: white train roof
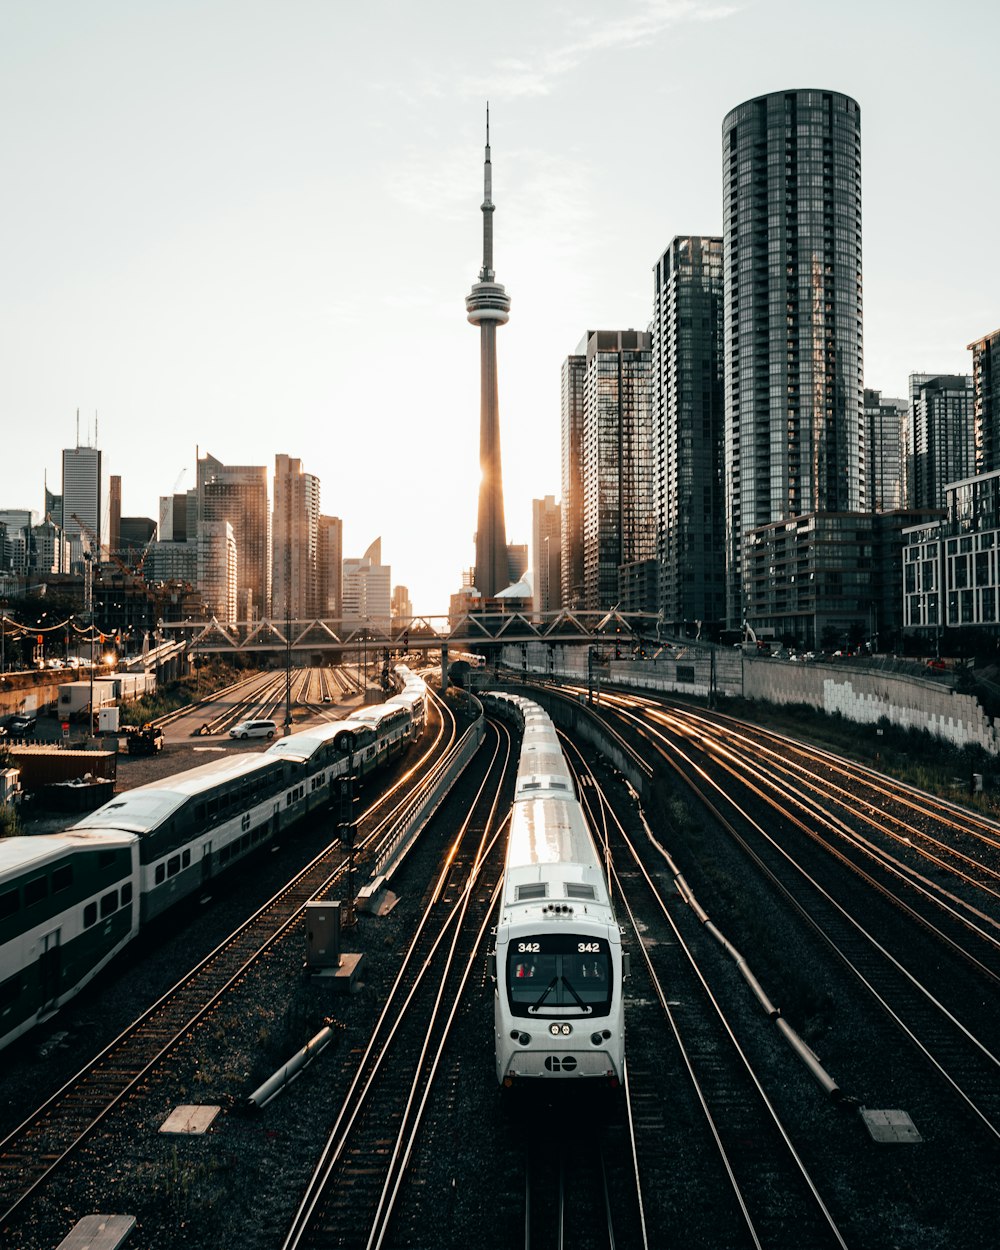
(551, 856)
(18, 855)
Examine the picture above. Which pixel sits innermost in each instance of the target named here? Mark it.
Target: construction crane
(95, 553)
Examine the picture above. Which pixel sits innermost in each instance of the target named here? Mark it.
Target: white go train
(69, 902)
(557, 961)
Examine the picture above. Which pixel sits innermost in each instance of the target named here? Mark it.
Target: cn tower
(488, 305)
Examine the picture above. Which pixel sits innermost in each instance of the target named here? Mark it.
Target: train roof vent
(531, 785)
(574, 889)
(534, 889)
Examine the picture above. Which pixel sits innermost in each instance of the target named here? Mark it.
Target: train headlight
(560, 1030)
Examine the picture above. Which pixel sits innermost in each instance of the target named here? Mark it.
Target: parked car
(254, 729)
(21, 723)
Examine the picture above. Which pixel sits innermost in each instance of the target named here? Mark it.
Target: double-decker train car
(557, 959)
(68, 904)
(70, 901)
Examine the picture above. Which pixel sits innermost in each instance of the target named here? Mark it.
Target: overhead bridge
(333, 639)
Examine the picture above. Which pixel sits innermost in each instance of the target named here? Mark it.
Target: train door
(49, 970)
(206, 863)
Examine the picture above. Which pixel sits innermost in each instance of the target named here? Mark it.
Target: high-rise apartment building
(794, 428)
(330, 569)
(886, 443)
(942, 435)
(688, 423)
(574, 371)
(546, 546)
(986, 400)
(616, 461)
(295, 541)
(238, 494)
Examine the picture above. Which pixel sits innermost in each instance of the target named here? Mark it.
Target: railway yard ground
(237, 1186)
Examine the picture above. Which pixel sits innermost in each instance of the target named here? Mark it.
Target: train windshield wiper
(567, 985)
(579, 1001)
(545, 993)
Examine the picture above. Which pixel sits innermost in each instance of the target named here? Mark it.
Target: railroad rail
(45, 1141)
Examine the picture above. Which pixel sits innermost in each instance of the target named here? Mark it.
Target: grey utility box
(323, 934)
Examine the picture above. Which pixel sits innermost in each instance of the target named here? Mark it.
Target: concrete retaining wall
(864, 696)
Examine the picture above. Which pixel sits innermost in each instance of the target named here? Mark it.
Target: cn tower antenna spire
(488, 306)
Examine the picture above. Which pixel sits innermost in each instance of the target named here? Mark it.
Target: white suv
(254, 729)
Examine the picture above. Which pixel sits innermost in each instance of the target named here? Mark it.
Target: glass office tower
(794, 429)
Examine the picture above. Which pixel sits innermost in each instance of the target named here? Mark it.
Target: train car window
(199, 813)
(224, 855)
(126, 893)
(62, 878)
(90, 915)
(35, 891)
(185, 859)
(10, 991)
(173, 865)
(105, 859)
(109, 903)
(160, 875)
(8, 904)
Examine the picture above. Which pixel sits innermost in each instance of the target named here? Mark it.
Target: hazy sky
(250, 227)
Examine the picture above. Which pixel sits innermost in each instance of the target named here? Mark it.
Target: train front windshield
(561, 973)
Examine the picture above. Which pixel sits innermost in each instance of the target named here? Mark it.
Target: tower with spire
(488, 306)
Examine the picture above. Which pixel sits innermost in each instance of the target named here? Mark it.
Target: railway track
(921, 969)
(353, 1194)
(756, 1194)
(37, 1149)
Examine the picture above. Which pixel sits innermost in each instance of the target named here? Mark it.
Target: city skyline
(219, 242)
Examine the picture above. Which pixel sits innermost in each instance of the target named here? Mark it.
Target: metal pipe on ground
(289, 1071)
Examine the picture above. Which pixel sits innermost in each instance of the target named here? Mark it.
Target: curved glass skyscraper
(794, 420)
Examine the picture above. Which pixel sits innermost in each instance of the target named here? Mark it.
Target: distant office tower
(84, 495)
(616, 461)
(114, 513)
(134, 534)
(794, 431)
(217, 564)
(16, 551)
(488, 306)
(330, 569)
(367, 589)
(574, 372)
(688, 423)
(986, 400)
(295, 541)
(886, 442)
(546, 546)
(238, 494)
(50, 549)
(942, 435)
(53, 506)
(402, 607)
